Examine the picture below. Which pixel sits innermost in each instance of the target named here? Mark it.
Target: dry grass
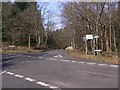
(21, 51)
(94, 57)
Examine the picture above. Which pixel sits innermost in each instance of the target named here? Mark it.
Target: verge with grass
(21, 51)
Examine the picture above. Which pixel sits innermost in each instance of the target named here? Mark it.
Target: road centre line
(10, 73)
(2, 72)
(81, 62)
(31, 80)
(46, 85)
(19, 76)
(66, 60)
(91, 63)
(114, 65)
(103, 64)
(42, 83)
(40, 57)
(73, 61)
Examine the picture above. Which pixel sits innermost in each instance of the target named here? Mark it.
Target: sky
(55, 8)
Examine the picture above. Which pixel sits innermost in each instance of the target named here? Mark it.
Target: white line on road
(81, 62)
(91, 63)
(30, 79)
(58, 56)
(103, 64)
(2, 72)
(52, 59)
(73, 61)
(40, 57)
(42, 83)
(99, 73)
(46, 85)
(114, 65)
(19, 76)
(10, 73)
(66, 60)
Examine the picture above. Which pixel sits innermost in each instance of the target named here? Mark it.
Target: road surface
(56, 70)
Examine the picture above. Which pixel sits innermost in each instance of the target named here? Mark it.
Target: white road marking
(55, 56)
(10, 73)
(2, 72)
(99, 73)
(53, 87)
(103, 64)
(114, 65)
(66, 60)
(20, 76)
(30, 79)
(40, 57)
(46, 85)
(58, 56)
(52, 59)
(81, 62)
(73, 61)
(42, 83)
(91, 63)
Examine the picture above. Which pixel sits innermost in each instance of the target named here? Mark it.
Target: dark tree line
(29, 24)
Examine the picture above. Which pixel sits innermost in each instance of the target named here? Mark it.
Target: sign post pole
(86, 47)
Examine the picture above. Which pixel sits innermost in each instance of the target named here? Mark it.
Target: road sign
(89, 36)
(96, 36)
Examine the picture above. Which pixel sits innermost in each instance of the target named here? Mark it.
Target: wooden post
(29, 41)
(86, 46)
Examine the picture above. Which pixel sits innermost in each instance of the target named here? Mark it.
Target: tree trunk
(46, 39)
(110, 28)
(39, 40)
(106, 39)
(114, 40)
(29, 41)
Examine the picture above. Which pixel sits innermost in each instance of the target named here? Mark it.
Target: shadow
(6, 59)
(6, 65)
(6, 62)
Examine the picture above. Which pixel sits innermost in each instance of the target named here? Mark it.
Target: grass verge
(94, 57)
(21, 51)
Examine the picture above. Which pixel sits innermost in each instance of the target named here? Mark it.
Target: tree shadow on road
(6, 62)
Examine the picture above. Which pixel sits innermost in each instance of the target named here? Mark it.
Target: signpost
(91, 37)
(87, 37)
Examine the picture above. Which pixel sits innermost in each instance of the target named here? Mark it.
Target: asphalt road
(55, 69)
